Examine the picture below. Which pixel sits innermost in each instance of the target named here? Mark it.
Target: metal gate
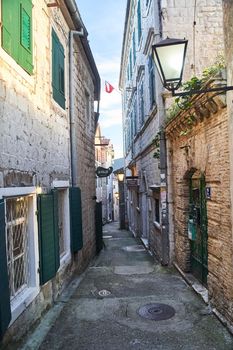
(198, 227)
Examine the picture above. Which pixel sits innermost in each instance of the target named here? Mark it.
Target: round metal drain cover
(104, 293)
(156, 312)
(134, 248)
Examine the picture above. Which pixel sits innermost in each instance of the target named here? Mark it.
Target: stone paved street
(88, 321)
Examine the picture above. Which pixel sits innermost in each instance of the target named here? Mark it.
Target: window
(58, 72)
(134, 48)
(135, 117)
(141, 103)
(87, 111)
(139, 21)
(157, 210)
(61, 221)
(132, 126)
(17, 238)
(18, 226)
(17, 32)
(151, 81)
(130, 65)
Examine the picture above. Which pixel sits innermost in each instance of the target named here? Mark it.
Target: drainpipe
(163, 194)
(73, 153)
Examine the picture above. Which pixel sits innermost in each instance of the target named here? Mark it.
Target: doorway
(198, 223)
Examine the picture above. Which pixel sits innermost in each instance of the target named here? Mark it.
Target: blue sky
(104, 20)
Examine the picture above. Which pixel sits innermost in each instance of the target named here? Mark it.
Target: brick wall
(206, 148)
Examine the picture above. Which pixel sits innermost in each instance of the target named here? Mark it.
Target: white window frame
(22, 300)
(64, 185)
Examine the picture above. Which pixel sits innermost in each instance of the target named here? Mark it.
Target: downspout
(73, 154)
(164, 181)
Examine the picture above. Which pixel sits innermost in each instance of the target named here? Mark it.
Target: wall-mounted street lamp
(169, 56)
(120, 176)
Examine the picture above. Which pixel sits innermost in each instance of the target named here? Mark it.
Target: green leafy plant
(195, 83)
(156, 143)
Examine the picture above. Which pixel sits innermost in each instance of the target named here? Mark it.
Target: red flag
(108, 87)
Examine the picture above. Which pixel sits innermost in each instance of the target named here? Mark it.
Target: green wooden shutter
(151, 81)
(134, 48)
(5, 309)
(139, 21)
(58, 72)
(48, 240)
(76, 219)
(17, 31)
(10, 26)
(25, 43)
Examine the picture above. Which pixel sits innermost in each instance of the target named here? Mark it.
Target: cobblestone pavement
(102, 311)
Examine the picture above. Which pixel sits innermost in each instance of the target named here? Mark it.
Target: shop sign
(103, 172)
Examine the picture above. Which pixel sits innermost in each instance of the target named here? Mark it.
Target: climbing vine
(156, 143)
(195, 83)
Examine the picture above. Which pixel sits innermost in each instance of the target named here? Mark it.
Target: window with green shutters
(139, 19)
(58, 70)
(17, 32)
(141, 103)
(151, 80)
(130, 65)
(134, 48)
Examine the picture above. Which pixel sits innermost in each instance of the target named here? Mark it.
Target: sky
(104, 21)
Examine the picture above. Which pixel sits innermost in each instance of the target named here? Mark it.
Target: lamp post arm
(199, 92)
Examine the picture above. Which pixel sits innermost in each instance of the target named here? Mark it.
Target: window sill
(21, 302)
(65, 260)
(59, 109)
(20, 71)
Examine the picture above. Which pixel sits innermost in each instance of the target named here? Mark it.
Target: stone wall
(34, 133)
(35, 143)
(205, 148)
(177, 22)
(85, 133)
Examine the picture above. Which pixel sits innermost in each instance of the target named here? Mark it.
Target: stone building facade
(46, 202)
(104, 155)
(145, 102)
(201, 25)
(199, 179)
(141, 116)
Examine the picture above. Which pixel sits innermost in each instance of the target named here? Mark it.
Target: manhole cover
(104, 293)
(156, 312)
(134, 248)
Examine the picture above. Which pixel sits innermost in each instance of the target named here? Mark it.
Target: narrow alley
(102, 312)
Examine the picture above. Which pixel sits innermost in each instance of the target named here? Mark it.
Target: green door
(198, 217)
